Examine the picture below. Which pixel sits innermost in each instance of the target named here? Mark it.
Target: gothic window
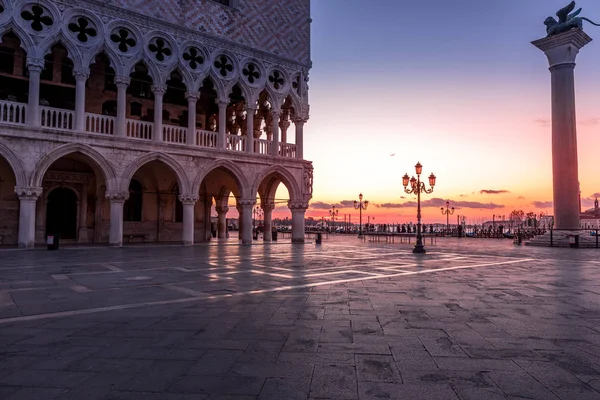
(38, 17)
(7, 60)
(66, 72)
(109, 80)
(132, 209)
(82, 29)
(194, 58)
(135, 109)
(296, 85)
(109, 108)
(48, 72)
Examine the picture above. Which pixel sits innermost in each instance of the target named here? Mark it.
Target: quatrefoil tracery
(193, 57)
(224, 65)
(83, 29)
(160, 49)
(251, 72)
(123, 39)
(37, 18)
(276, 79)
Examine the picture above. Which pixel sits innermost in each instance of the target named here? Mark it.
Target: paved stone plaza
(472, 319)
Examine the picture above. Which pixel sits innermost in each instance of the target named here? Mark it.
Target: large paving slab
(471, 319)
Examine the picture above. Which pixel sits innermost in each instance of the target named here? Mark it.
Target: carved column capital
(82, 74)
(188, 199)
(222, 101)
(35, 64)
(117, 197)
(297, 205)
(28, 192)
(192, 96)
(246, 202)
(122, 80)
(300, 120)
(159, 90)
(267, 206)
(221, 210)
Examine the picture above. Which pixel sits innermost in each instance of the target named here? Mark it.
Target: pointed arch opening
(14, 78)
(9, 205)
(207, 110)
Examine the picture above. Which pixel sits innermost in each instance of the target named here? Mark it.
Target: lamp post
(360, 205)
(256, 211)
(447, 212)
(333, 213)
(416, 187)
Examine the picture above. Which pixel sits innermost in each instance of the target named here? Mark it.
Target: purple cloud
(492, 191)
(438, 202)
(543, 204)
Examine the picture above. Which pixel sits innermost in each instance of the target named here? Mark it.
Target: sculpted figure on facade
(308, 179)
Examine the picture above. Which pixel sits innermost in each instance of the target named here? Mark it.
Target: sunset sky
(456, 85)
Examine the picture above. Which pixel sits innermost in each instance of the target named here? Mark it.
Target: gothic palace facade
(134, 118)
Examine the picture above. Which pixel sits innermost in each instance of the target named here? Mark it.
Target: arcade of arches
(79, 201)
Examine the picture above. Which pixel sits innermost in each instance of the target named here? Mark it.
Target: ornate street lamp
(447, 212)
(416, 187)
(360, 205)
(333, 213)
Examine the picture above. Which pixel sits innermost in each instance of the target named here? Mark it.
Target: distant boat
(509, 235)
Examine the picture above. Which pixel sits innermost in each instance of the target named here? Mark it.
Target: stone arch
(282, 175)
(232, 168)
(115, 62)
(26, 42)
(246, 91)
(15, 163)
(145, 159)
(157, 77)
(217, 83)
(73, 51)
(188, 80)
(98, 159)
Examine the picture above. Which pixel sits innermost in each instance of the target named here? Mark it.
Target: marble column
(298, 210)
(222, 137)
(81, 78)
(82, 237)
(157, 132)
(268, 221)
(275, 142)
(561, 51)
(284, 124)
(192, 98)
(245, 208)
(28, 196)
(122, 84)
(117, 199)
(250, 111)
(222, 221)
(299, 123)
(35, 67)
(189, 203)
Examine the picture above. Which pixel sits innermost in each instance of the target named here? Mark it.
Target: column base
(419, 249)
(298, 241)
(246, 242)
(82, 237)
(120, 244)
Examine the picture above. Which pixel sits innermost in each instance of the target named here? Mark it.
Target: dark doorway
(61, 213)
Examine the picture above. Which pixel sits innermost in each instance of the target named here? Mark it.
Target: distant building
(590, 219)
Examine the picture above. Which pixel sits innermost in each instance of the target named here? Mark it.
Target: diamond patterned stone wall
(280, 27)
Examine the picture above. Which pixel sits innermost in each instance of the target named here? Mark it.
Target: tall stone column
(82, 237)
(268, 221)
(189, 203)
(81, 78)
(222, 138)
(245, 210)
(298, 210)
(28, 196)
(159, 92)
(275, 143)
(222, 221)
(250, 111)
(192, 98)
(117, 199)
(122, 84)
(561, 51)
(299, 123)
(35, 67)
